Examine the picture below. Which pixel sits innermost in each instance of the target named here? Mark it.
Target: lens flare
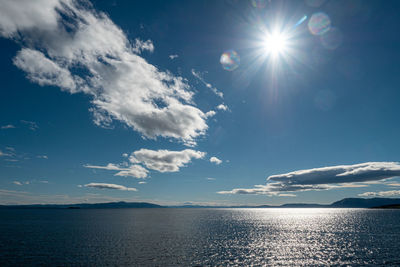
(304, 18)
(230, 60)
(319, 23)
(332, 39)
(259, 3)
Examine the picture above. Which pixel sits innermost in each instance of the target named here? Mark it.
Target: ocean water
(200, 237)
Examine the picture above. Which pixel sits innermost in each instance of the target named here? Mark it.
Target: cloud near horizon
(341, 176)
(110, 186)
(391, 193)
(70, 45)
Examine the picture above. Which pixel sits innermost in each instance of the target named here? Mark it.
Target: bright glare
(275, 43)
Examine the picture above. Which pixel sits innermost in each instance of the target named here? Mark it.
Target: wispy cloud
(199, 76)
(135, 170)
(173, 56)
(287, 195)
(11, 160)
(342, 176)
(210, 179)
(381, 194)
(42, 157)
(11, 155)
(31, 125)
(215, 160)
(393, 184)
(8, 126)
(110, 186)
(20, 183)
(70, 45)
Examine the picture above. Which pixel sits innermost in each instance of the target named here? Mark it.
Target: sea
(199, 237)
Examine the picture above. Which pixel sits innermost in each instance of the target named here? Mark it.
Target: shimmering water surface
(198, 237)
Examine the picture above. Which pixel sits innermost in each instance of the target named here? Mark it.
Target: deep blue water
(198, 237)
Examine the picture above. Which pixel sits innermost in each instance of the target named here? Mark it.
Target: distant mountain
(344, 203)
(364, 202)
(110, 205)
(301, 205)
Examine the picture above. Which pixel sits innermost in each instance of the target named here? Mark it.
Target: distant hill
(364, 202)
(301, 205)
(110, 205)
(344, 203)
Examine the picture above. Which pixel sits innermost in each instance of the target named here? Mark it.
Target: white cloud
(369, 171)
(42, 157)
(165, 160)
(159, 160)
(210, 113)
(381, 194)
(17, 183)
(210, 179)
(140, 46)
(134, 170)
(8, 126)
(70, 45)
(198, 75)
(38, 14)
(222, 107)
(44, 71)
(142, 182)
(173, 56)
(215, 160)
(342, 176)
(110, 186)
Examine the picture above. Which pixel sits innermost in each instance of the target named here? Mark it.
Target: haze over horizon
(204, 102)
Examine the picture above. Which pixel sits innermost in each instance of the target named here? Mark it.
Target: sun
(275, 43)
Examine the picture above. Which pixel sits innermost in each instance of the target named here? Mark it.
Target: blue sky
(128, 100)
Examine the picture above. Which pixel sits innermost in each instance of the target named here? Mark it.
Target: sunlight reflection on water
(200, 237)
